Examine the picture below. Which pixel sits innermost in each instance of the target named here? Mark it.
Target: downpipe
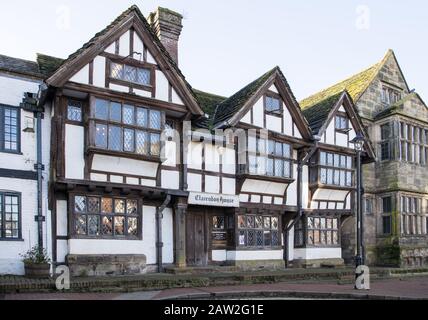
(40, 219)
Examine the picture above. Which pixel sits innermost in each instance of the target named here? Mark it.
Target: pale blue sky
(226, 44)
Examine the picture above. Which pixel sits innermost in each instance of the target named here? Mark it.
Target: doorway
(196, 240)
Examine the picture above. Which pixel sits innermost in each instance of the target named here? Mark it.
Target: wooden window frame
(247, 247)
(83, 109)
(3, 214)
(342, 115)
(72, 221)
(305, 230)
(3, 108)
(276, 96)
(93, 121)
(133, 63)
(319, 167)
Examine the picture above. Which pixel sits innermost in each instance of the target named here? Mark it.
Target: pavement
(405, 288)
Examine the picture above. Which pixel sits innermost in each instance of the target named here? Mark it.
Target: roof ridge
(15, 58)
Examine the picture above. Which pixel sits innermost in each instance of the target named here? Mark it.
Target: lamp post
(358, 142)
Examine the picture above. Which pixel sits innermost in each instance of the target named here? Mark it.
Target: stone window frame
(417, 143)
(412, 218)
(386, 215)
(386, 141)
(16, 129)
(73, 214)
(3, 213)
(390, 95)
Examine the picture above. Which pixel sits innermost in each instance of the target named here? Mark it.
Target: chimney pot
(167, 25)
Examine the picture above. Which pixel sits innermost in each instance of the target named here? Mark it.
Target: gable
(119, 44)
(281, 123)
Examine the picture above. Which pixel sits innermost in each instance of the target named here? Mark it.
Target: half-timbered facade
(146, 172)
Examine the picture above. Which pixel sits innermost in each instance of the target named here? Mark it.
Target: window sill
(11, 240)
(241, 248)
(268, 178)
(122, 154)
(18, 153)
(106, 238)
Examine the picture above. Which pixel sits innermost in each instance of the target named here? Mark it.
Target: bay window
(413, 144)
(317, 231)
(126, 128)
(270, 158)
(106, 217)
(258, 231)
(335, 169)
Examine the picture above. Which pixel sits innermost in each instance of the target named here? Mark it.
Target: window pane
(115, 112)
(119, 226)
(275, 223)
(142, 142)
(142, 117)
(278, 149)
(349, 179)
(107, 226)
(279, 168)
(132, 207)
(272, 104)
(10, 129)
(93, 205)
(115, 142)
(79, 204)
(107, 205)
(130, 74)
(242, 222)
(330, 161)
(330, 176)
(116, 71)
(271, 147)
(155, 120)
(129, 140)
(287, 169)
(74, 111)
(133, 227)
(267, 223)
(101, 136)
(323, 158)
(101, 109)
(128, 114)
(269, 167)
(80, 225)
(259, 222)
(251, 221)
(323, 176)
(119, 206)
(93, 225)
(155, 144)
(268, 238)
(143, 76)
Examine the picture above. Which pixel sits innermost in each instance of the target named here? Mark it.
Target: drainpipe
(39, 167)
(159, 243)
(301, 162)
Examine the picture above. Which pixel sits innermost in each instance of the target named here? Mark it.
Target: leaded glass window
(106, 217)
(140, 76)
(116, 128)
(258, 231)
(335, 169)
(74, 110)
(273, 104)
(10, 216)
(321, 231)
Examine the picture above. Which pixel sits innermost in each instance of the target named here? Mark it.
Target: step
(201, 270)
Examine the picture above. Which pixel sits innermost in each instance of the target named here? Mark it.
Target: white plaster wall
(119, 88)
(212, 158)
(147, 246)
(99, 76)
(317, 253)
(176, 98)
(292, 190)
(194, 182)
(258, 113)
(10, 260)
(273, 89)
(138, 46)
(150, 58)
(124, 166)
(111, 48)
(82, 76)
(12, 89)
(274, 123)
(255, 255)
(143, 93)
(291, 245)
(62, 250)
(162, 86)
(61, 218)
(170, 154)
(219, 255)
(124, 46)
(329, 133)
(194, 155)
(229, 161)
(341, 139)
(244, 198)
(297, 133)
(74, 152)
(288, 123)
(170, 179)
(305, 187)
(168, 236)
(247, 118)
(229, 186)
(212, 184)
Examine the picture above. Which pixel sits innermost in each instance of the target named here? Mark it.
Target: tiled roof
(317, 114)
(20, 66)
(208, 102)
(48, 64)
(229, 107)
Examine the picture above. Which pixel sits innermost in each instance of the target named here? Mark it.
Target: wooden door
(196, 250)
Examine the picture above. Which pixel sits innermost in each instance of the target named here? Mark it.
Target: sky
(226, 44)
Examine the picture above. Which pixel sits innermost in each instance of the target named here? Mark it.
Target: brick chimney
(167, 25)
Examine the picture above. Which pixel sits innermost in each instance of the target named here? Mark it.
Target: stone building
(396, 185)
